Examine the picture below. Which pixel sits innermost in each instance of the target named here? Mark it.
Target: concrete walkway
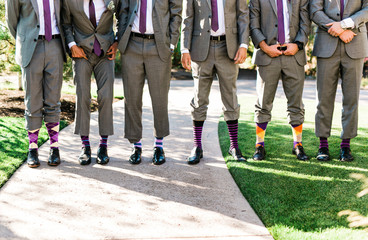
(122, 201)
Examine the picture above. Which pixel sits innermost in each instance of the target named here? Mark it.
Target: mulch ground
(12, 105)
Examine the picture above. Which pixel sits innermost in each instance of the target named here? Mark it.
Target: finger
(236, 56)
(329, 24)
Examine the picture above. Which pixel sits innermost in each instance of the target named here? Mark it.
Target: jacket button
(275, 25)
(96, 31)
(35, 40)
(135, 11)
(208, 30)
(91, 44)
(338, 14)
(209, 16)
(38, 26)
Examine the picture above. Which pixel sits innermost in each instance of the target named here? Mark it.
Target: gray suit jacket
(166, 18)
(23, 22)
(196, 27)
(324, 12)
(263, 26)
(78, 27)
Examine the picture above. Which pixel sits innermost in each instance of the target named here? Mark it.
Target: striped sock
(323, 142)
(297, 134)
(85, 141)
(345, 143)
(33, 139)
(159, 142)
(232, 126)
(53, 130)
(138, 144)
(197, 133)
(103, 140)
(260, 132)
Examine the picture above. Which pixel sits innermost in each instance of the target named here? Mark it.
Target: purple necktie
(280, 22)
(92, 18)
(342, 6)
(47, 19)
(143, 16)
(214, 22)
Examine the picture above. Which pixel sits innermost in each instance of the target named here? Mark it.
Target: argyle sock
(159, 142)
(85, 141)
(345, 143)
(103, 141)
(137, 144)
(53, 130)
(232, 126)
(197, 133)
(323, 142)
(297, 134)
(260, 132)
(33, 139)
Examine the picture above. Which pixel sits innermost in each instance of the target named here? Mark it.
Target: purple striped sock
(323, 142)
(85, 141)
(233, 133)
(159, 142)
(103, 140)
(345, 143)
(138, 144)
(53, 130)
(33, 139)
(197, 133)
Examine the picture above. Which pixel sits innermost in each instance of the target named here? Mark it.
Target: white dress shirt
(54, 27)
(221, 23)
(100, 8)
(347, 22)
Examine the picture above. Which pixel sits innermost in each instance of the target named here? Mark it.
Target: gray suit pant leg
(217, 62)
(141, 60)
(103, 70)
(328, 72)
(42, 80)
(292, 76)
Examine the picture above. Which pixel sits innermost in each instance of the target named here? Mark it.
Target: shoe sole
(159, 163)
(53, 165)
(33, 166)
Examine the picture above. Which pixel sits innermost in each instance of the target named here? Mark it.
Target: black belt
(148, 36)
(42, 37)
(218, 38)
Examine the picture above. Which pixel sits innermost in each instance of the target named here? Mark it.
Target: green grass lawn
(294, 199)
(14, 145)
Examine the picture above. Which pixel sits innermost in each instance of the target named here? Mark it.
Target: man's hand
(241, 55)
(77, 52)
(186, 61)
(335, 29)
(111, 52)
(291, 50)
(347, 36)
(271, 51)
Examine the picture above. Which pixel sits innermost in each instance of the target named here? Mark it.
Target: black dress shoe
(260, 153)
(300, 154)
(195, 156)
(237, 155)
(102, 157)
(85, 156)
(323, 154)
(158, 156)
(32, 159)
(54, 158)
(345, 155)
(136, 158)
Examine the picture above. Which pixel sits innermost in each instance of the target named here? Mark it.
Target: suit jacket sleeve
(304, 23)
(187, 24)
(255, 23)
(242, 13)
(318, 15)
(12, 16)
(360, 17)
(66, 20)
(123, 18)
(175, 20)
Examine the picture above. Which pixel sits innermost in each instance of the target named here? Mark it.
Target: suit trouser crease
(328, 72)
(42, 80)
(227, 72)
(103, 70)
(292, 75)
(141, 60)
